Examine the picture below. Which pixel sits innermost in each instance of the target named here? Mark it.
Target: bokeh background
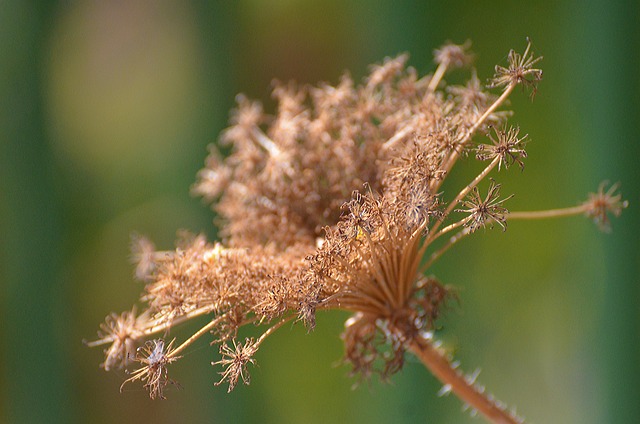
(106, 112)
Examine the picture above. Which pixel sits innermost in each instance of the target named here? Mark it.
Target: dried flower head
(154, 357)
(235, 361)
(506, 146)
(519, 71)
(483, 212)
(337, 202)
(123, 332)
(455, 55)
(602, 203)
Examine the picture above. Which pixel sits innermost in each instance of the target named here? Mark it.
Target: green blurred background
(106, 112)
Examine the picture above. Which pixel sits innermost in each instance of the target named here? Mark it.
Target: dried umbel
(336, 202)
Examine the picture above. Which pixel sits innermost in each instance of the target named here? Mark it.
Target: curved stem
(272, 330)
(464, 387)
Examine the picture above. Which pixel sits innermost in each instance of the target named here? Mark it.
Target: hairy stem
(463, 387)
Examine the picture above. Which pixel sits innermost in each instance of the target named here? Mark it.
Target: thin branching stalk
(195, 336)
(551, 213)
(455, 154)
(442, 250)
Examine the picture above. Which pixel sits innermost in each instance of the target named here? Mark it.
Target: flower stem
(197, 335)
(551, 213)
(398, 136)
(272, 329)
(463, 387)
(437, 76)
(465, 139)
(433, 234)
(436, 255)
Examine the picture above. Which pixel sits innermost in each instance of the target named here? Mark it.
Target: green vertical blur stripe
(33, 365)
(607, 70)
(621, 328)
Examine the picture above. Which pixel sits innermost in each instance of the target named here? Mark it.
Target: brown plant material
(336, 203)
(154, 357)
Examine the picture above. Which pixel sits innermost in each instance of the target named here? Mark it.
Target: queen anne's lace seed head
(335, 203)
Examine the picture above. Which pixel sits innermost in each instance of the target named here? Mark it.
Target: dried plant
(336, 202)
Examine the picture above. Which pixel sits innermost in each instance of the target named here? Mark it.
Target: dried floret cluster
(335, 202)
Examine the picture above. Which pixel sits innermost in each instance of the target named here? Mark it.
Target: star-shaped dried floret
(483, 212)
(235, 360)
(506, 146)
(519, 71)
